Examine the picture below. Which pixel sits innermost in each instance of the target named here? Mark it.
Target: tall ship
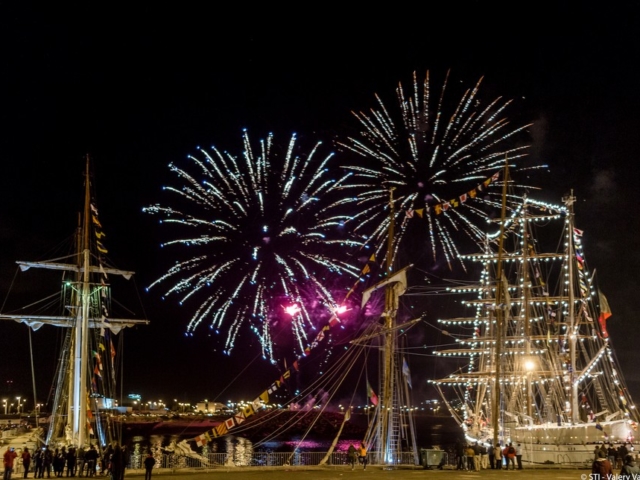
(536, 363)
(85, 381)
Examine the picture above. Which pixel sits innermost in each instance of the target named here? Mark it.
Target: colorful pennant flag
(371, 394)
(248, 411)
(221, 429)
(454, 202)
(263, 398)
(239, 418)
(605, 313)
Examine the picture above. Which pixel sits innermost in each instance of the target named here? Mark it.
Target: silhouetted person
(80, 460)
(71, 462)
(352, 453)
(48, 461)
(26, 461)
(149, 462)
(38, 458)
(90, 458)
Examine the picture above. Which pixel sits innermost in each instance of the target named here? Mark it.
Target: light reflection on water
(241, 449)
(307, 445)
(238, 448)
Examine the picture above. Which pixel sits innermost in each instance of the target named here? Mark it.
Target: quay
(373, 472)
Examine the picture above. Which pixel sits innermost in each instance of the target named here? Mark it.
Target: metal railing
(254, 459)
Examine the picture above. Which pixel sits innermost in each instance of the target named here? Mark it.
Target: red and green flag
(371, 394)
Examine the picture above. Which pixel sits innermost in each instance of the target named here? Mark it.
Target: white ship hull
(565, 444)
(571, 444)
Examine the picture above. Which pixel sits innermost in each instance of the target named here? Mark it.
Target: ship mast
(569, 201)
(388, 413)
(526, 291)
(389, 424)
(499, 313)
(81, 390)
(82, 320)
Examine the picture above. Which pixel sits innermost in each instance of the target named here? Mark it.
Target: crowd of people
(477, 456)
(68, 462)
(604, 468)
(608, 458)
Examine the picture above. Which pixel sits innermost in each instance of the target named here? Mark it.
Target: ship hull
(571, 444)
(565, 444)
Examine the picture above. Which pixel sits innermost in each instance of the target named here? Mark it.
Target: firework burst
(429, 150)
(252, 240)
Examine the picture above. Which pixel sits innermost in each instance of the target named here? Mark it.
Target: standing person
(470, 452)
(621, 455)
(55, 461)
(125, 461)
(629, 468)
(611, 454)
(26, 461)
(90, 458)
(476, 457)
(492, 456)
(38, 458)
(352, 453)
(362, 455)
(519, 456)
(460, 456)
(47, 462)
(71, 462)
(9, 456)
(80, 459)
(602, 466)
(59, 460)
(510, 455)
(149, 462)
(483, 457)
(498, 452)
(105, 461)
(115, 466)
(602, 452)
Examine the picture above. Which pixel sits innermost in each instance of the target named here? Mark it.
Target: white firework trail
(254, 235)
(429, 150)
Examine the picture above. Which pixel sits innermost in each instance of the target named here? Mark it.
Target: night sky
(139, 87)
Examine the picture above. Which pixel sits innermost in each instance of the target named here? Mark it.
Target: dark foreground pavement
(371, 473)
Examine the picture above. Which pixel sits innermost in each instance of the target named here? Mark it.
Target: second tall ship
(85, 384)
(540, 370)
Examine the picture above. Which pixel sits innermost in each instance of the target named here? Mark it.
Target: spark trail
(429, 149)
(250, 240)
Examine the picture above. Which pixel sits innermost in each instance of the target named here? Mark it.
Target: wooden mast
(499, 314)
(386, 415)
(573, 325)
(82, 325)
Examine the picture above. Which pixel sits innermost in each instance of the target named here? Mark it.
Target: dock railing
(254, 459)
